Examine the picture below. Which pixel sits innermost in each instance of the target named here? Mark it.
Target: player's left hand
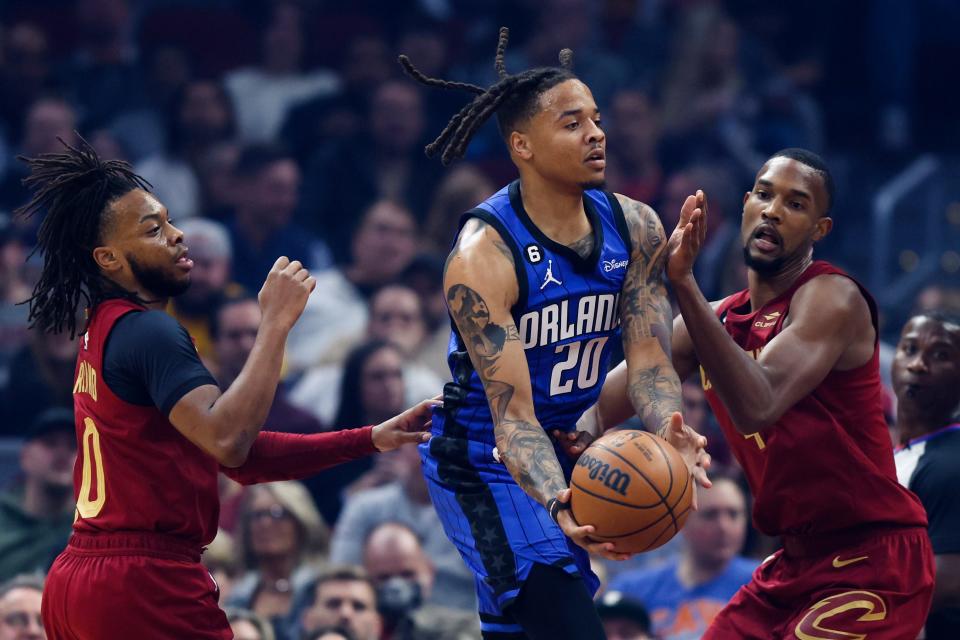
(692, 447)
(410, 427)
(688, 238)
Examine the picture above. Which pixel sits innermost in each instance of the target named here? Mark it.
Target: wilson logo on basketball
(612, 478)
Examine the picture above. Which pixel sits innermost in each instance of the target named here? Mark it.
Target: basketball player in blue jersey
(540, 282)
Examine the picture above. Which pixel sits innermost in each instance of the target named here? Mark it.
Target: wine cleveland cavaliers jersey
(134, 470)
(827, 463)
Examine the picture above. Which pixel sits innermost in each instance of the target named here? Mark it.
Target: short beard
(156, 281)
(763, 267)
(593, 184)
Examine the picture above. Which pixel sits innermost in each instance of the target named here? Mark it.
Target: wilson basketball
(634, 488)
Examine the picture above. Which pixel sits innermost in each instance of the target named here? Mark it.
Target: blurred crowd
(286, 128)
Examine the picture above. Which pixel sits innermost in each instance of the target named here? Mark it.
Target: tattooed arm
(646, 321)
(481, 288)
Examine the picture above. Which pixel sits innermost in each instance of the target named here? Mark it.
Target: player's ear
(823, 228)
(519, 144)
(108, 259)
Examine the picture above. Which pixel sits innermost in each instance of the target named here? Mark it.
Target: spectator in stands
(926, 378)
(14, 289)
(383, 162)
(623, 618)
(283, 539)
(325, 121)
(372, 385)
(684, 595)
(20, 609)
(234, 331)
(344, 596)
(24, 77)
(425, 276)
(215, 171)
(268, 189)
(47, 119)
(634, 130)
(36, 516)
(199, 116)
(263, 94)
(103, 77)
(210, 282)
(382, 246)
(396, 562)
(463, 188)
(396, 316)
(246, 625)
(403, 499)
(44, 378)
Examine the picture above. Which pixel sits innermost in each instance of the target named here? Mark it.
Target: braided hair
(514, 98)
(74, 189)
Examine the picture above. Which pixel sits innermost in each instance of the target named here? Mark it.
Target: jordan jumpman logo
(550, 277)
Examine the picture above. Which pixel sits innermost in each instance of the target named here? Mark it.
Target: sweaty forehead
(566, 96)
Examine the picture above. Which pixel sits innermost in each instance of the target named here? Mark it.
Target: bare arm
(647, 321)
(829, 321)
(226, 425)
(481, 288)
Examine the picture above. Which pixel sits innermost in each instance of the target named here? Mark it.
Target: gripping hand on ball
(581, 533)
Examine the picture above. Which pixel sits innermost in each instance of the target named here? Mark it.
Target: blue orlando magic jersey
(568, 320)
(567, 313)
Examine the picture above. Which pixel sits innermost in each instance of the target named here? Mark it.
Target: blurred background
(283, 127)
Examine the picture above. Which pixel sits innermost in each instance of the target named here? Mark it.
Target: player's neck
(692, 574)
(43, 501)
(150, 299)
(556, 210)
(766, 287)
(914, 422)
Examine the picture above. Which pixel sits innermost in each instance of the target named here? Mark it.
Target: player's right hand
(688, 238)
(692, 447)
(284, 293)
(581, 534)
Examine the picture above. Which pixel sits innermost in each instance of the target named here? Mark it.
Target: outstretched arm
(828, 319)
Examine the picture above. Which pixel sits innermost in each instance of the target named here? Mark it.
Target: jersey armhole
(518, 268)
(620, 220)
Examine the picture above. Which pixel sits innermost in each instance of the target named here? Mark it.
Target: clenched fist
(284, 293)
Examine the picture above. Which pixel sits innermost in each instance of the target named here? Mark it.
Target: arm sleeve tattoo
(524, 446)
(645, 313)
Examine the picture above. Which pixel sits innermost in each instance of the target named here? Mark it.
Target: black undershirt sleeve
(149, 359)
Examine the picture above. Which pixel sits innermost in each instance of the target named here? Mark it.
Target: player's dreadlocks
(74, 189)
(513, 98)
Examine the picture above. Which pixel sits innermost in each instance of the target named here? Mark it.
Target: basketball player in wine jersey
(790, 366)
(153, 428)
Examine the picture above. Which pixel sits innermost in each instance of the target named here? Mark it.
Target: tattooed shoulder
(646, 231)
